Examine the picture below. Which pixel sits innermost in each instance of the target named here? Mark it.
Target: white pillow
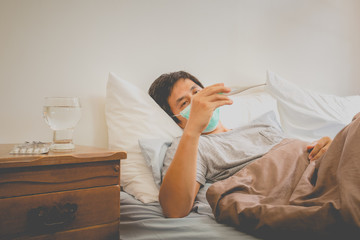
(131, 114)
(309, 115)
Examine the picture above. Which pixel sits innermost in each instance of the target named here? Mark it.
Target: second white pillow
(307, 114)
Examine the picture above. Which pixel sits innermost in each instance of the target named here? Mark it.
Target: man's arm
(179, 187)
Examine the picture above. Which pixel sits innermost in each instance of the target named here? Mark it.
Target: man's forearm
(179, 187)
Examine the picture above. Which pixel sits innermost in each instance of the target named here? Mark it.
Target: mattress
(146, 221)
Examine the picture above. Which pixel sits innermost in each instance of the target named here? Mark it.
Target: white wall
(68, 47)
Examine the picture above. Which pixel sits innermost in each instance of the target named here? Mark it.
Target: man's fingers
(320, 153)
(216, 88)
(222, 103)
(217, 97)
(319, 148)
(209, 97)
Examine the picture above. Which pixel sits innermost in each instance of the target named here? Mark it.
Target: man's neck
(219, 129)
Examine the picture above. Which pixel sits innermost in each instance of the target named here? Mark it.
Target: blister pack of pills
(29, 148)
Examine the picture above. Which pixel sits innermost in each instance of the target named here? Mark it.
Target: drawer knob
(117, 168)
(45, 218)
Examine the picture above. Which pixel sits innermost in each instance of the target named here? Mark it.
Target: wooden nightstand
(73, 195)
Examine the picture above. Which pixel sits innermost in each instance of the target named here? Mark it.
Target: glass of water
(62, 114)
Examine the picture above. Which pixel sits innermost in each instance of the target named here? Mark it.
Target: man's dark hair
(161, 88)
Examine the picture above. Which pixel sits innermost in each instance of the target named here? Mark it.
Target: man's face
(180, 97)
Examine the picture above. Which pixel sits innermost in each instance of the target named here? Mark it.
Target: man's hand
(318, 148)
(204, 103)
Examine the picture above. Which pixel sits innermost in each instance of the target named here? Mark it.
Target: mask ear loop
(175, 116)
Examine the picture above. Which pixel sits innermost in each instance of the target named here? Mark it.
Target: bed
(137, 125)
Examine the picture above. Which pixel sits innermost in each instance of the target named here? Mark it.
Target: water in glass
(62, 115)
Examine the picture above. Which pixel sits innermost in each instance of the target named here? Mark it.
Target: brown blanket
(283, 192)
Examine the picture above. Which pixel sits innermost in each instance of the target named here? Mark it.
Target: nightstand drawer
(55, 212)
(45, 179)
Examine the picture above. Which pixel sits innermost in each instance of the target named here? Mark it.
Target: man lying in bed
(207, 151)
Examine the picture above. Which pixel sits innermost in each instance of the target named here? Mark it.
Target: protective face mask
(214, 121)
